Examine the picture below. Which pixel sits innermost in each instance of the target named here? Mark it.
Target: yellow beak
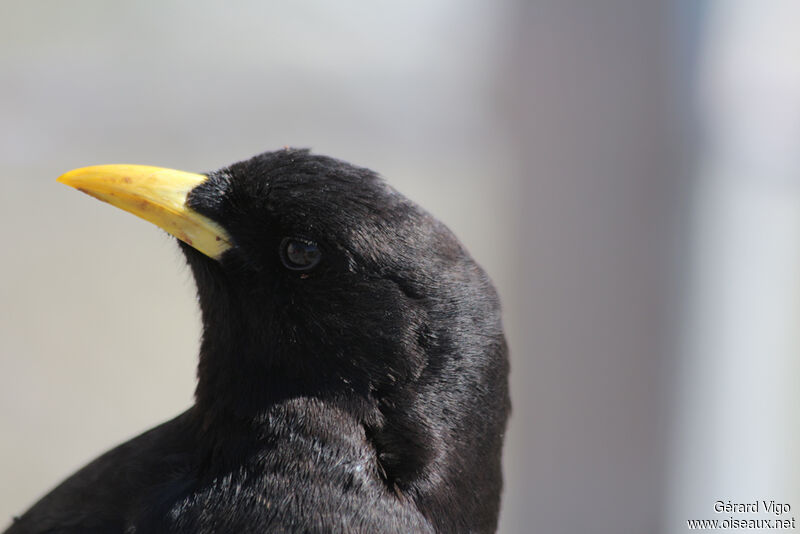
(157, 195)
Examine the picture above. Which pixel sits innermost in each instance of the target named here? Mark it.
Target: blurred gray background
(627, 173)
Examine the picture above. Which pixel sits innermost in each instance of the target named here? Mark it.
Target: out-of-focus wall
(602, 169)
(735, 435)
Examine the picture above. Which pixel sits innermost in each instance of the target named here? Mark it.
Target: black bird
(353, 370)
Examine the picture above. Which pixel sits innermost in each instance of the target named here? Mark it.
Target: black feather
(368, 394)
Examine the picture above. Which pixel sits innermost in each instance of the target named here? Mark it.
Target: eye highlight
(299, 254)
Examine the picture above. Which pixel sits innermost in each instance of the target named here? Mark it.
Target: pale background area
(627, 172)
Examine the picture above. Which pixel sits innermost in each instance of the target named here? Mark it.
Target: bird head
(316, 278)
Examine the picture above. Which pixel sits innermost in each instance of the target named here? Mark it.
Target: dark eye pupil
(300, 254)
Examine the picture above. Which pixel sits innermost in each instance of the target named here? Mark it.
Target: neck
(237, 376)
(243, 372)
(237, 379)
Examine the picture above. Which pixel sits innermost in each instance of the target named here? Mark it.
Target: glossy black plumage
(366, 395)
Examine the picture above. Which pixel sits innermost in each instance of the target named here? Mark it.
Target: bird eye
(299, 254)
